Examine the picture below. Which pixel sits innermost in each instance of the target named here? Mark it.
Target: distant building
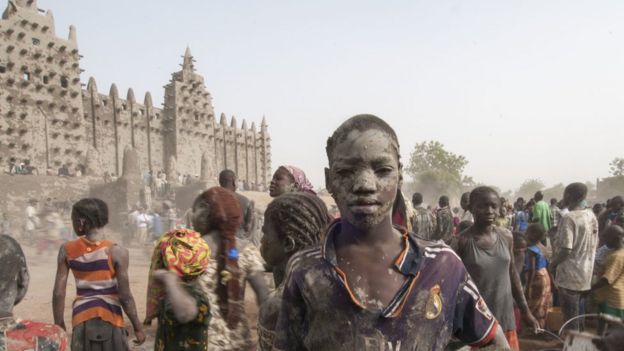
(48, 118)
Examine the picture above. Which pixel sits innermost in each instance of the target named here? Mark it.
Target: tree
(616, 167)
(437, 171)
(529, 188)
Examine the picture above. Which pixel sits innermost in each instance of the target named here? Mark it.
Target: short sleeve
(289, 330)
(614, 267)
(565, 234)
(250, 260)
(473, 322)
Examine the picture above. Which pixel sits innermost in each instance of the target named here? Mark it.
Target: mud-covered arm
(121, 261)
(183, 305)
(500, 340)
(60, 286)
(252, 264)
(290, 328)
(258, 284)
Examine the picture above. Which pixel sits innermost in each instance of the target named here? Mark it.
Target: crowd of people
(382, 273)
(24, 167)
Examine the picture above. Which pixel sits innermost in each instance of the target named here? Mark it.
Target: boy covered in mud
(373, 286)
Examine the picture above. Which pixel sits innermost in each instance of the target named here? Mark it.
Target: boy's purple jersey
(437, 301)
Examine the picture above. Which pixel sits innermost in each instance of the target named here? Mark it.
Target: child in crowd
(612, 276)
(293, 221)
(179, 261)
(486, 251)
(103, 288)
(371, 285)
(538, 283)
(520, 252)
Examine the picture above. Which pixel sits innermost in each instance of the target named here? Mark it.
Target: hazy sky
(523, 89)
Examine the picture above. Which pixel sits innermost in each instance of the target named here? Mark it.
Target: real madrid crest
(433, 308)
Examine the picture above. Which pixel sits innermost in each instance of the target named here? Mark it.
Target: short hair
(466, 196)
(537, 228)
(615, 201)
(301, 216)
(518, 238)
(417, 199)
(226, 175)
(361, 123)
(576, 192)
(444, 200)
(479, 192)
(93, 210)
(553, 201)
(12, 259)
(539, 196)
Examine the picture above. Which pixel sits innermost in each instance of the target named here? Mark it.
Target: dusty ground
(37, 304)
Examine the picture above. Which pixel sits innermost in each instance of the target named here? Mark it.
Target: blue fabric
(542, 262)
(522, 219)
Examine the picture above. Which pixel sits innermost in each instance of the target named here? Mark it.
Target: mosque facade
(49, 117)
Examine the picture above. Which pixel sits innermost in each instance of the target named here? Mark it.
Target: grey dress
(490, 271)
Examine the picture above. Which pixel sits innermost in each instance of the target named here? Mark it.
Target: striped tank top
(96, 283)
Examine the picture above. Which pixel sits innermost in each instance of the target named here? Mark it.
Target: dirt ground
(37, 305)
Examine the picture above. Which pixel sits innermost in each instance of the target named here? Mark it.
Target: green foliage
(616, 167)
(529, 188)
(431, 155)
(437, 171)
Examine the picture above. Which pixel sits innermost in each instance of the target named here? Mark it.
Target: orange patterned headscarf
(181, 251)
(184, 252)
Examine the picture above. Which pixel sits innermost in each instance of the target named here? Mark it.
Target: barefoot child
(371, 286)
(103, 289)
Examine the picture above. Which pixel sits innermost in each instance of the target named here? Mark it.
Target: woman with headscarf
(175, 296)
(217, 216)
(288, 179)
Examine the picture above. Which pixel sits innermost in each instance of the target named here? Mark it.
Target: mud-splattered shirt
(24, 335)
(437, 301)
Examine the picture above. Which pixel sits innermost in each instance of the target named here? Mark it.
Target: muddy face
(364, 176)
(281, 183)
(485, 209)
(272, 248)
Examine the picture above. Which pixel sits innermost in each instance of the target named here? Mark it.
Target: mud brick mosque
(50, 117)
